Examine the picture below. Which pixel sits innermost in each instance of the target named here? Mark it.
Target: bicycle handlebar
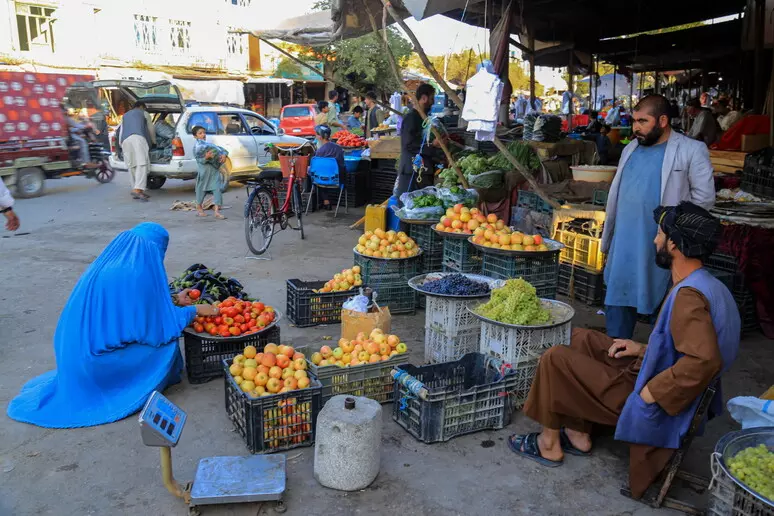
(284, 148)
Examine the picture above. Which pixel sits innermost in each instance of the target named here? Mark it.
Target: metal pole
(614, 77)
(631, 93)
(531, 43)
(759, 27)
(571, 88)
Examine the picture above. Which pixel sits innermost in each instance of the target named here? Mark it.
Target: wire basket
(372, 381)
(729, 496)
(273, 423)
(464, 396)
(517, 345)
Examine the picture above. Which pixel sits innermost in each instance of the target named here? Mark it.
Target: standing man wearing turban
(659, 167)
(648, 392)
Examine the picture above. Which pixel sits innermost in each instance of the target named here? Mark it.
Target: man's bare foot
(580, 440)
(200, 213)
(550, 449)
(219, 216)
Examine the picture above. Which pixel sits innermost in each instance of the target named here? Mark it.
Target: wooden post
(570, 86)
(531, 42)
(759, 28)
(456, 99)
(615, 76)
(656, 83)
(631, 94)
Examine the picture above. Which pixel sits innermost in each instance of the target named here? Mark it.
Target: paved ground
(106, 470)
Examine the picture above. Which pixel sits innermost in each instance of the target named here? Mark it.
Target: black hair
(593, 114)
(694, 103)
(425, 89)
(323, 131)
(196, 129)
(656, 105)
(371, 95)
(140, 104)
(322, 105)
(332, 94)
(606, 128)
(357, 109)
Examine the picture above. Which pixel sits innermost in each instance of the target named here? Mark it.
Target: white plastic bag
(357, 303)
(751, 412)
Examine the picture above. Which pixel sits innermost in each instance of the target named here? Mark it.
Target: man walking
(6, 208)
(136, 135)
(660, 167)
(374, 117)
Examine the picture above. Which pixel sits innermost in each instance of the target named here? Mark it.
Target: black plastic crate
(586, 286)
(308, 308)
(204, 354)
(399, 297)
(389, 278)
(277, 422)
(464, 396)
(372, 381)
(431, 244)
(758, 173)
(533, 202)
(357, 191)
(541, 270)
(384, 164)
(459, 255)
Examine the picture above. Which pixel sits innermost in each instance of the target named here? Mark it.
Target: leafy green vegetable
(474, 164)
(448, 178)
(519, 150)
(426, 201)
(515, 303)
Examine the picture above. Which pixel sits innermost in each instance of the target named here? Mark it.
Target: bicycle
(262, 209)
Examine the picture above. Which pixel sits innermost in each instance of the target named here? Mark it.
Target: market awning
(269, 80)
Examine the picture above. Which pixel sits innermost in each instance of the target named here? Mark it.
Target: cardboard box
(754, 142)
(353, 322)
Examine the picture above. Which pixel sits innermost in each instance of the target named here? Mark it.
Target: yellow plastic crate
(581, 250)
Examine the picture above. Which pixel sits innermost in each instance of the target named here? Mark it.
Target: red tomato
(235, 331)
(199, 319)
(269, 309)
(228, 321)
(269, 316)
(254, 314)
(243, 327)
(228, 302)
(194, 294)
(259, 307)
(218, 320)
(263, 320)
(251, 323)
(239, 306)
(239, 318)
(198, 328)
(222, 328)
(213, 331)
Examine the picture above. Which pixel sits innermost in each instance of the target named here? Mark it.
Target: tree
(520, 79)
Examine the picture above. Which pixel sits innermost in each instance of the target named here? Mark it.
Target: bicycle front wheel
(259, 222)
(298, 209)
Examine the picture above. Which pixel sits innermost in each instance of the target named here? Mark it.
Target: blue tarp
(116, 340)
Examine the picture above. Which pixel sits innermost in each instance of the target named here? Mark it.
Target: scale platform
(258, 478)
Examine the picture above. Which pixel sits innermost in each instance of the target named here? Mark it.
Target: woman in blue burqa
(116, 340)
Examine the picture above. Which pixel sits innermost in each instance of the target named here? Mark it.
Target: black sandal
(531, 449)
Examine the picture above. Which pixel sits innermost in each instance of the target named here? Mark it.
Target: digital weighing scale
(218, 480)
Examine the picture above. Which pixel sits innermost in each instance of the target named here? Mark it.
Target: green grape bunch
(755, 467)
(515, 303)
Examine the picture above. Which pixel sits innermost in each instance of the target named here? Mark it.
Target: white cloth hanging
(482, 102)
(395, 101)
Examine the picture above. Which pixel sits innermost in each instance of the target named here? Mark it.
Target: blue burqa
(116, 340)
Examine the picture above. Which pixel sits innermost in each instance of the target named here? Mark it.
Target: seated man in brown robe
(649, 393)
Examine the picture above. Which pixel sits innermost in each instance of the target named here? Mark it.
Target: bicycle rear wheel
(298, 210)
(259, 221)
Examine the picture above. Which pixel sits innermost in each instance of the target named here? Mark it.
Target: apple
(384, 349)
(291, 383)
(393, 340)
(287, 373)
(261, 379)
(260, 390)
(276, 372)
(401, 347)
(235, 370)
(299, 364)
(283, 361)
(347, 358)
(271, 348)
(247, 386)
(300, 373)
(238, 379)
(316, 358)
(303, 383)
(298, 355)
(326, 351)
(239, 359)
(363, 356)
(250, 363)
(273, 385)
(324, 362)
(338, 353)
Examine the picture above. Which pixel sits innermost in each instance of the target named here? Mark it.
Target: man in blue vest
(649, 393)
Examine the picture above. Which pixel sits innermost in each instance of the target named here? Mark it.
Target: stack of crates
(533, 202)
(451, 330)
(580, 275)
(745, 301)
(540, 270)
(383, 176)
(758, 173)
(357, 188)
(461, 256)
(389, 279)
(431, 244)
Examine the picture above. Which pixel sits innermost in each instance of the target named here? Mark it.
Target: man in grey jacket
(659, 167)
(136, 135)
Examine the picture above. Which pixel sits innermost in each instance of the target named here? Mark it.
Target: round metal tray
(452, 235)
(553, 247)
(732, 443)
(561, 313)
(388, 259)
(417, 281)
(205, 335)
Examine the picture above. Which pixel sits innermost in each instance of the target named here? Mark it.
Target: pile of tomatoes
(347, 139)
(236, 317)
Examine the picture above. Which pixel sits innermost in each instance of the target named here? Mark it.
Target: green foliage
(515, 303)
(520, 79)
(523, 154)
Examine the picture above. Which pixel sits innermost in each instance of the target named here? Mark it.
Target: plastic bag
(407, 199)
(411, 212)
(357, 303)
(467, 197)
(751, 412)
(491, 179)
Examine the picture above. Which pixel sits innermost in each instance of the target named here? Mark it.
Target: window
(207, 120)
(240, 3)
(232, 124)
(236, 44)
(297, 111)
(180, 36)
(36, 27)
(258, 126)
(146, 33)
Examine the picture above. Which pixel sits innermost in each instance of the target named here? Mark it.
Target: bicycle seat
(270, 175)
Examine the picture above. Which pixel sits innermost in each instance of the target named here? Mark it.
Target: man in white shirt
(703, 128)
(6, 208)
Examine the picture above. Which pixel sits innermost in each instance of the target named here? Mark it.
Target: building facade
(96, 33)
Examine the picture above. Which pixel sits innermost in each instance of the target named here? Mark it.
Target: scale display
(161, 421)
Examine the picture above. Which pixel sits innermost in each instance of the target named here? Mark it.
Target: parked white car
(243, 133)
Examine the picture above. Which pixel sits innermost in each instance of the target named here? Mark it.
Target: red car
(298, 119)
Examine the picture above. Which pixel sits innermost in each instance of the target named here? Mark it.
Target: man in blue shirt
(660, 167)
(354, 124)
